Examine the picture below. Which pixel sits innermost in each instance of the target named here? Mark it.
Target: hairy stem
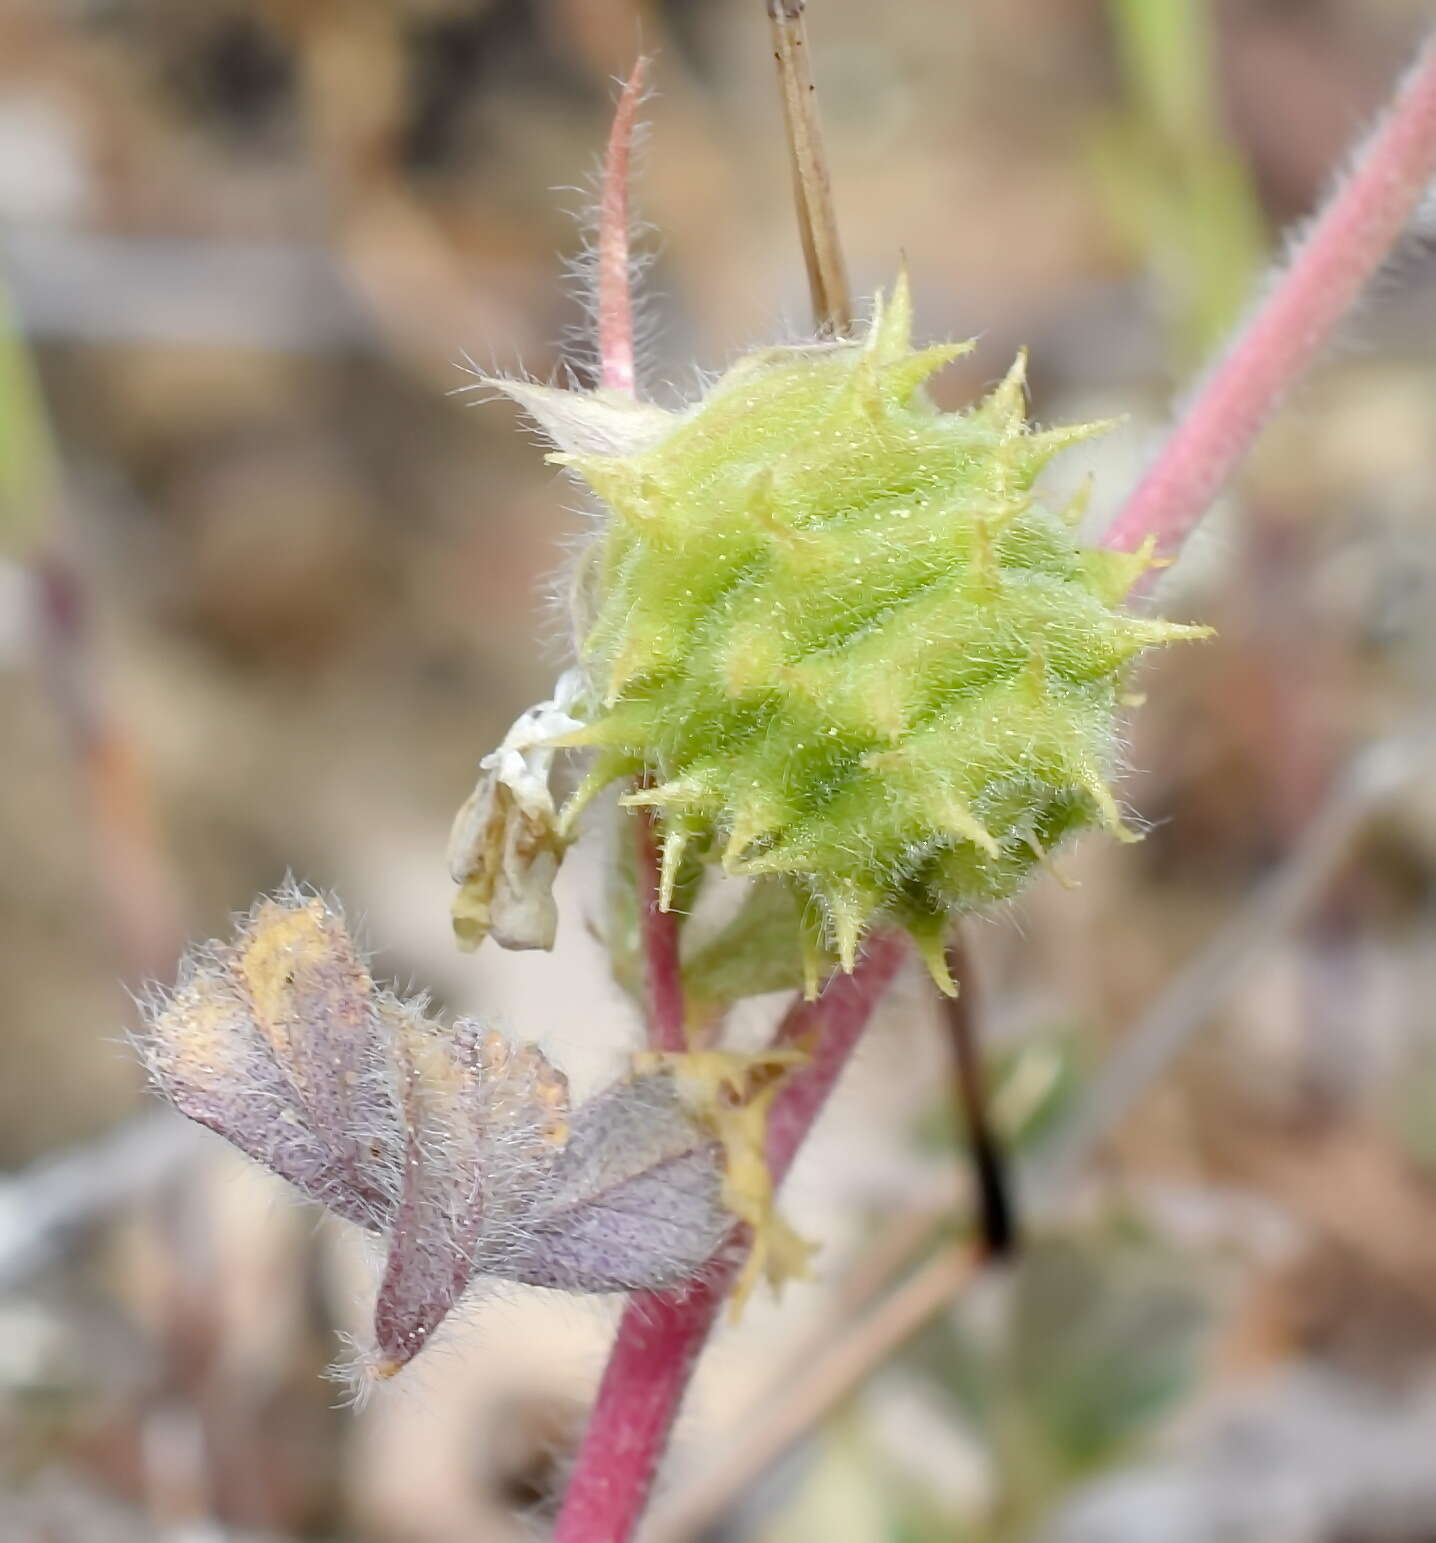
(659, 939)
(662, 1335)
(615, 300)
(658, 928)
(1329, 268)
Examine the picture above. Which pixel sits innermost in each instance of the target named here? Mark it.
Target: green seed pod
(838, 638)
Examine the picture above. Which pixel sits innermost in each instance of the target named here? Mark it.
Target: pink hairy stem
(661, 1335)
(1325, 276)
(615, 299)
(658, 929)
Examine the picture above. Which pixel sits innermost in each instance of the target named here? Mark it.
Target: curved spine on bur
(841, 640)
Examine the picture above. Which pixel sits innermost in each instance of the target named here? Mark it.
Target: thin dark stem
(997, 1218)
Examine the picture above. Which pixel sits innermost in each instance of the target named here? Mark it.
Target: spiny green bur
(838, 638)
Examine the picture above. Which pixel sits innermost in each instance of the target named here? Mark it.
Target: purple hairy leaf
(455, 1146)
(635, 1198)
(279, 1042)
(482, 1123)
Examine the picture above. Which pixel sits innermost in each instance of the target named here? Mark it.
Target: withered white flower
(506, 845)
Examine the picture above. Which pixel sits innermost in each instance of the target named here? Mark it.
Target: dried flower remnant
(730, 1093)
(837, 638)
(457, 1148)
(505, 847)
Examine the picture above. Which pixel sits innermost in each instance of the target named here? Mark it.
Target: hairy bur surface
(459, 1149)
(838, 638)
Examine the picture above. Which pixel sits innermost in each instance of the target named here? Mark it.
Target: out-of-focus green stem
(132, 874)
(27, 455)
(1175, 183)
(1166, 57)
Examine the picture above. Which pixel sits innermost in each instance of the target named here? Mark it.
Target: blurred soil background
(273, 581)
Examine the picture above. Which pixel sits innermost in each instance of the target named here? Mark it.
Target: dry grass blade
(44, 1207)
(812, 191)
(1188, 1003)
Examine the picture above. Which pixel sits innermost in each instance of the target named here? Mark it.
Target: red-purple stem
(829, 1027)
(1326, 274)
(658, 929)
(660, 937)
(661, 1337)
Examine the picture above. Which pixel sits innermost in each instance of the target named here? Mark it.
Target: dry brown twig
(812, 188)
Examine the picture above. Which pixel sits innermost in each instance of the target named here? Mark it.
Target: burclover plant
(836, 639)
(830, 640)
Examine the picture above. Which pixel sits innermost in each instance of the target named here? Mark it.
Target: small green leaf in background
(755, 953)
(1096, 1340)
(1105, 1337)
(1032, 1085)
